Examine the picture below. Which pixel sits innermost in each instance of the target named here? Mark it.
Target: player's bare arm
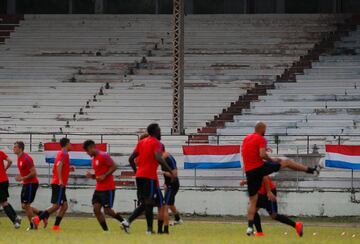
(59, 168)
(269, 193)
(31, 175)
(162, 162)
(9, 163)
(132, 161)
(264, 155)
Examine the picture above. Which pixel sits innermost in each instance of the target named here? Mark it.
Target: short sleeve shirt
(25, 163)
(251, 151)
(101, 164)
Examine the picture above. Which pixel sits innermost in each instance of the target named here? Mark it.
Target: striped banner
(211, 156)
(342, 156)
(77, 154)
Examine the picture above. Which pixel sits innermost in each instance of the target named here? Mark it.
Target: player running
(148, 155)
(29, 180)
(4, 190)
(61, 172)
(257, 164)
(104, 194)
(267, 200)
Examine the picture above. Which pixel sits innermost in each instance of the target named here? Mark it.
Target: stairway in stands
(8, 23)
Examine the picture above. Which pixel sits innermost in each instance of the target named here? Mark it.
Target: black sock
(149, 216)
(285, 220)
(177, 217)
(160, 226)
(310, 170)
(10, 212)
(104, 226)
(118, 217)
(137, 212)
(251, 223)
(257, 222)
(44, 215)
(31, 226)
(166, 229)
(58, 220)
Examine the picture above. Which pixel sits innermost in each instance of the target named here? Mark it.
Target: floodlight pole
(178, 68)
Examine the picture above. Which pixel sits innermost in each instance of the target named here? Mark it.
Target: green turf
(86, 230)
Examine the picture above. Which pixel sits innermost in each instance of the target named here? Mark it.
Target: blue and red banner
(211, 156)
(77, 154)
(342, 156)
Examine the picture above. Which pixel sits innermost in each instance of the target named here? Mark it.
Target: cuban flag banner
(342, 156)
(211, 156)
(78, 156)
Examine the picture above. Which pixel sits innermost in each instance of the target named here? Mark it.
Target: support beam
(178, 68)
(11, 7)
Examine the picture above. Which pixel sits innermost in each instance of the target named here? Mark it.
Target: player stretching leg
(4, 191)
(104, 194)
(267, 200)
(148, 155)
(29, 180)
(257, 164)
(61, 172)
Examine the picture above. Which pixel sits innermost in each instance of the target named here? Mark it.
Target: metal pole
(178, 68)
(352, 181)
(30, 147)
(195, 177)
(308, 144)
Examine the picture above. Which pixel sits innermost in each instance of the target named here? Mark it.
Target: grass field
(86, 230)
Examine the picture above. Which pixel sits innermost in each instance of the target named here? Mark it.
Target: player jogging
(148, 155)
(61, 172)
(257, 164)
(4, 190)
(104, 194)
(267, 200)
(29, 180)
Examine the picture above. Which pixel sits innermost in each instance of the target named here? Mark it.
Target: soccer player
(29, 180)
(4, 190)
(104, 194)
(257, 164)
(267, 200)
(148, 155)
(61, 172)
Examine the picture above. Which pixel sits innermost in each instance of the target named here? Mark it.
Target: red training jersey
(251, 151)
(101, 164)
(62, 156)
(262, 189)
(3, 175)
(25, 163)
(147, 164)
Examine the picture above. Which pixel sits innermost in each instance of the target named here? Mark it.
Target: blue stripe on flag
(207, 165)
(78, 162)
(341, 164)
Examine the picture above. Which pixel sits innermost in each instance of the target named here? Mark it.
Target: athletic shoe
(250, 231)
(45, 221)
(179, 222)
(17, 222)
(125, 226)
(318, 168)
(299, 227)
(56, 228)
(259, 234)
(30, 229)
(150, 232)
(35, 221)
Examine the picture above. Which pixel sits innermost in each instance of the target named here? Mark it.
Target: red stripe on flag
(211, 149)
(349, 150)
(75, 147)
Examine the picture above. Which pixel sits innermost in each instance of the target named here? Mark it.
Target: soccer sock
(160, 226)
(10, 212)
(149, 216)
(285, 220)
(310, 170)
(257, 222)
(58, 220)
(166, 229)
(119, 217)
(137, 212)
(251, 223)
(177, 217)
(44, 215)
(104, 226)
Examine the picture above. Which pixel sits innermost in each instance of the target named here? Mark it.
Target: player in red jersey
(4, 190)
(61, 172)
(257, 164)
(104, 194)
(29, 180)
(148, 156)
(267, 199)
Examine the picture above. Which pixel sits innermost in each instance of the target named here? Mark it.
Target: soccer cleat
(56, 228)
(45, 221)
(179, 222)
(259, 234)
(35, 221)
(299, 227)
(250, 231)
(17, 222)
(125, 226)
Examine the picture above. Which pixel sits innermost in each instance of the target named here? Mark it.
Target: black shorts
(270, 206)
(147, 189)
(4, 191)
(28, 192)
(105, 198)
(58, 195)
(254, 177)
(171, 192)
